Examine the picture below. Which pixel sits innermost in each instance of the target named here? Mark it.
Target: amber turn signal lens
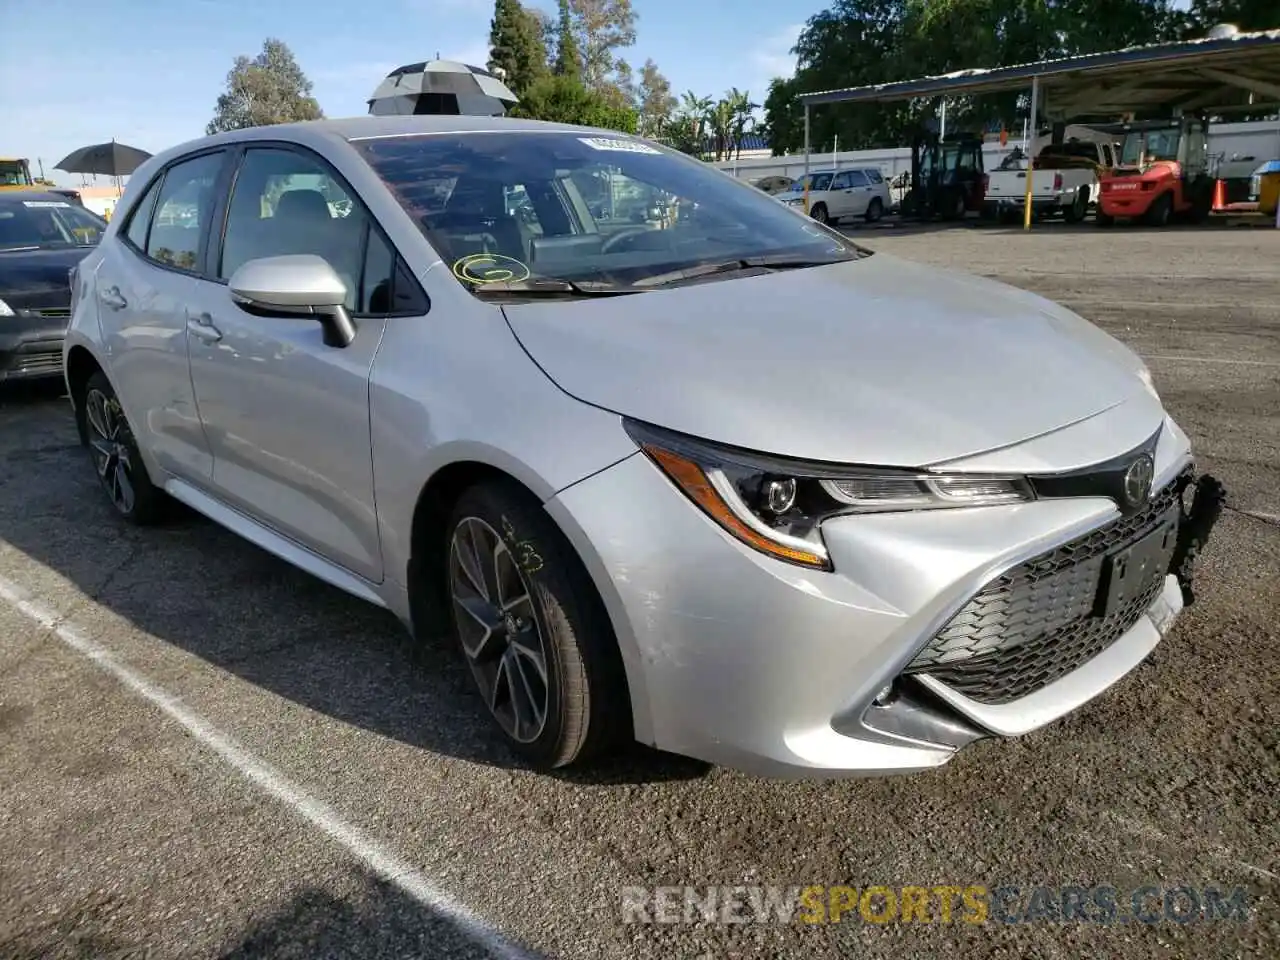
(697, 486)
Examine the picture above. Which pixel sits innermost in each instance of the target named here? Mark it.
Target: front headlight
(777, 506)
(5, 309)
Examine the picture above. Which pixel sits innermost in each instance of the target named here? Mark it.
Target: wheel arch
(80, 364)
(426, 600)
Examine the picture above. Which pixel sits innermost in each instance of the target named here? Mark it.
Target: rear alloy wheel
(116, 458)
(533, 629)
(875, 210)
(819, 213)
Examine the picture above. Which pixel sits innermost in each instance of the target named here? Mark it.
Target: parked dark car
(43, 236)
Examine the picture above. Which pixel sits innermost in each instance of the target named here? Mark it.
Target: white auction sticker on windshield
(621, 146)
(45, 203)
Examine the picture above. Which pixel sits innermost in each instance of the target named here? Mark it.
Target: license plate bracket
(1130, 571)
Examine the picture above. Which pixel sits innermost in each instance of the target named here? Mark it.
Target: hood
(876, 361)
(37, 275)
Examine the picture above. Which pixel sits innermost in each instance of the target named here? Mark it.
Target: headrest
(303, 205)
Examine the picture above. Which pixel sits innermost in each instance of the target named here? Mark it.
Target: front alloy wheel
(532, 628)
(109, 445)
(498, 628)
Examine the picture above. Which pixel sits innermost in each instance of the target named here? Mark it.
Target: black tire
(1079, 206)
(819, 213)
(113, 450)
(1160, 211)
(586, 710)
(875, 210)
(1101, 219)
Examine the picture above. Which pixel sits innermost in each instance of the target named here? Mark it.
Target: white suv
(835, 195)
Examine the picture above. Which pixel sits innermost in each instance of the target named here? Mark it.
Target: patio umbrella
(441, 87)
(109, 159)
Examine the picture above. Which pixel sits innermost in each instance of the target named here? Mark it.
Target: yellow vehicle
(15, 174)
(1265, 187)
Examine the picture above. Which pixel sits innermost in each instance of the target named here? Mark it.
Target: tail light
(1057, 181)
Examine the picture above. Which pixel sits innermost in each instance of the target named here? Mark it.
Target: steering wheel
(624, 234)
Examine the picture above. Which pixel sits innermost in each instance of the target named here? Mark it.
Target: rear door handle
(113, 298)
(201, 325)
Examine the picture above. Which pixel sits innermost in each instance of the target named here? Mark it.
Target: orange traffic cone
(1219, 195)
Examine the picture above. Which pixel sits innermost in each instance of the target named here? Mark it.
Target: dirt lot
(204, 753)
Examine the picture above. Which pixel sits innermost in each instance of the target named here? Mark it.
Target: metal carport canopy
(1192, 75)
(1221, 71)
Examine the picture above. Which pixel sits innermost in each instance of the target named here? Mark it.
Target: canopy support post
(806, 157)
(1031, 146)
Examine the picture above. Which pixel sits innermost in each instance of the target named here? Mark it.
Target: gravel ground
(204, 753)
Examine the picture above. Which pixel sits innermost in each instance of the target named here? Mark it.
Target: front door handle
(201, 325)
(113, 298)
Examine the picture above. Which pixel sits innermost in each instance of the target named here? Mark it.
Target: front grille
(1036, 622)
(53, 313)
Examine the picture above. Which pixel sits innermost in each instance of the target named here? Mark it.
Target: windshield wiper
(733, 266)
(550, 288)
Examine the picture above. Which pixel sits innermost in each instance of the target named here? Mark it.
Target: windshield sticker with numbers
(45, 203)
(620, 146)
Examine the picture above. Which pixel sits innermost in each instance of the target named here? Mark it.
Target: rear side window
(857, 178)
(141, 218)
(874, 176)
(183, 208)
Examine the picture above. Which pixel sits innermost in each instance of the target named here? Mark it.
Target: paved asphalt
(204, 753)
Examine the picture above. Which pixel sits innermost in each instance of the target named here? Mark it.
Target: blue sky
(146, 72)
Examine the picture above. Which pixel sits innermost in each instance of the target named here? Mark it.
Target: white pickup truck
(1064, 180)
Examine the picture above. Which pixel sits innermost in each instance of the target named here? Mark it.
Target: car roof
(344, 130)
(44, 196)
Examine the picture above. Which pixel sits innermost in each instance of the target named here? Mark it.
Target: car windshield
(35, 224)
(1145, 147)
(598, 211)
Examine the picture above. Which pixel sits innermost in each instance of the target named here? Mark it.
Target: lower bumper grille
(1037, 622)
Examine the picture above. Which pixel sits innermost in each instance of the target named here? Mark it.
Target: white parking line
(1245, 363)
(266, 777)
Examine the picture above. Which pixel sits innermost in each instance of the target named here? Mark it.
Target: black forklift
(947, 177)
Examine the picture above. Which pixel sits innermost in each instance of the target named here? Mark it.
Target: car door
(839, 200)
(859, 193)
(287, 416)
(147, 276)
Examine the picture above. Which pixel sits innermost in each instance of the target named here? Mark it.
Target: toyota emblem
(1137, 481)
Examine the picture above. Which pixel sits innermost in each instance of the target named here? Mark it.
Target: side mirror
(296, 285)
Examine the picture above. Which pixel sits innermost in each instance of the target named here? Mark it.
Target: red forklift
(1163, 172)
(947, 177)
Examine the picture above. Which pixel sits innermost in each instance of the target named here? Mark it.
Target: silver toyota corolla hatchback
(667, 459)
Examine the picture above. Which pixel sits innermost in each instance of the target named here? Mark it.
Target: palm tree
(743, 115)
(695, 112)
(721, 120)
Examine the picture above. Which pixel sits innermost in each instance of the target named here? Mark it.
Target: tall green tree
(564, 99)
(267, 89)
(654, 102)
(603, 27)
(568, 58)
(516, 45)
(1246, 14)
